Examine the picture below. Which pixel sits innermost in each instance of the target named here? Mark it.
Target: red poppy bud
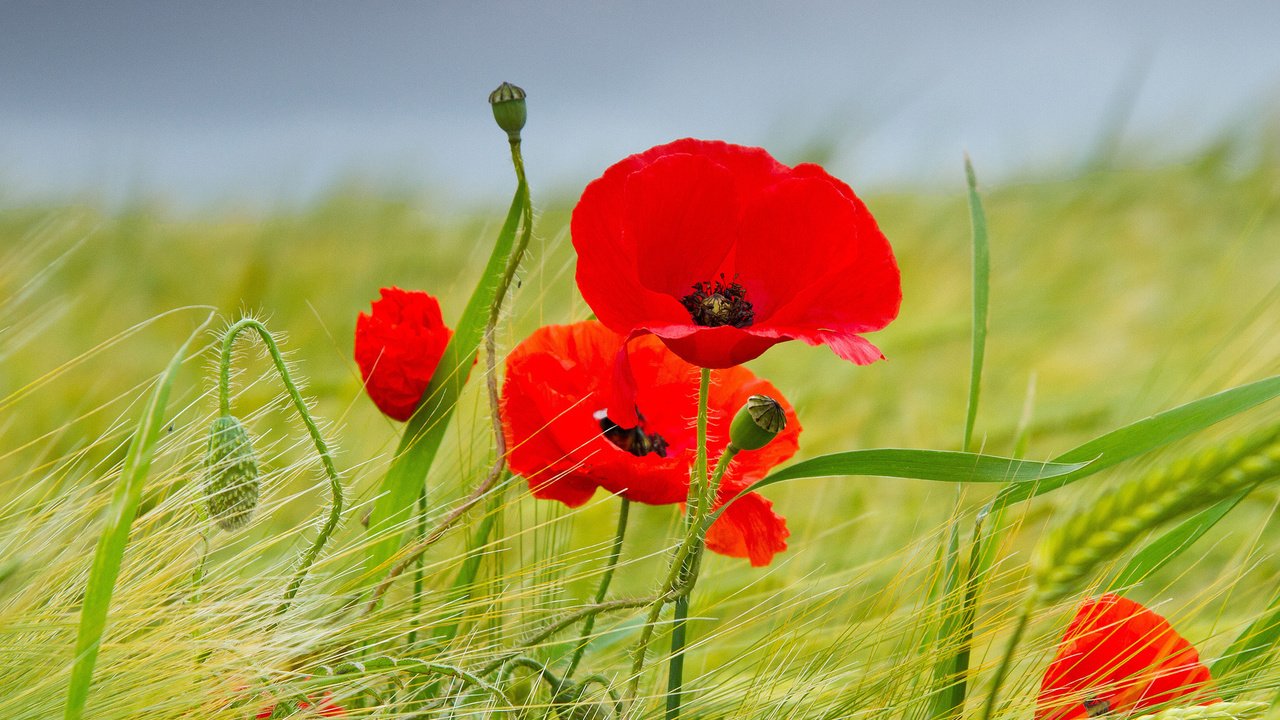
(757, 423)
(398, 346)
(509, 109)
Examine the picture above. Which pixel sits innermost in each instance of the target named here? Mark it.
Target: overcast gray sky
(259, 103)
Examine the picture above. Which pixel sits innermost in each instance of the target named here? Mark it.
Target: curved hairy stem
(322, 448)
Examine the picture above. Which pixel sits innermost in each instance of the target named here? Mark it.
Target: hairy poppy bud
(231, 474)
(757, 423)
(509, 109)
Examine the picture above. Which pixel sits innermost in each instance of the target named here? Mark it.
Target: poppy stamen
(719, 302)
(633, 440)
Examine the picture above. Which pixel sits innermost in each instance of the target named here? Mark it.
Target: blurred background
(252, 105)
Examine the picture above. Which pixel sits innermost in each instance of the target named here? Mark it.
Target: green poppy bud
(509, 109)
(757, 423)
(231, 484)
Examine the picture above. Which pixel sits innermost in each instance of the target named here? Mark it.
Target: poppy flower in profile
(1116, 657)
(722, 252)
(398, 346)
(562, 440)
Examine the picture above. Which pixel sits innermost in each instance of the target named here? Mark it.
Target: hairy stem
(416, 550)
(610, 565)
(322, 448)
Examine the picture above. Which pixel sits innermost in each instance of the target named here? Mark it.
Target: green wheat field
(1116, 292)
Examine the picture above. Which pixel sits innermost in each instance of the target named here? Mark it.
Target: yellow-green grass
(1113, 295)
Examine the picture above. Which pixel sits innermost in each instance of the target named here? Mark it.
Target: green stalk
(322, 448)
(425, 430)
(109, 555)
(610, 565)
(1002, 670)
(699, 491)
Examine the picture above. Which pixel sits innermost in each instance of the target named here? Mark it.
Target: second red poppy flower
(562, 440)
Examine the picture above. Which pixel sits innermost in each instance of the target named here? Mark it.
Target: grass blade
(981, 300)
(949, 674)
(939, 465)
(1158, 553)
(425, 430)
(1247, 654)
(1146, 435)
(115, 536)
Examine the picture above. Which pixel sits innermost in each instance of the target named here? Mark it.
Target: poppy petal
(749, 528)
(1122, 654)
(681, 214)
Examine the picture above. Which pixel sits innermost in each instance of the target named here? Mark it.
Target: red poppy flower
(398, 346)
(723, 252)
(564, 443)
(1116, 657)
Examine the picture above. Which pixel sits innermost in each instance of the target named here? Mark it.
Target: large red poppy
(562, 440)
(1116, 657)
(722, 252)
(398, 346)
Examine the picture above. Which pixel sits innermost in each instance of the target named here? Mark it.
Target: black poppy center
(633, 440)
(1095, 707)
(714, 303)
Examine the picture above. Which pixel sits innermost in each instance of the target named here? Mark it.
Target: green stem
(700, 488)
(326, 458)
(1002, 671)
(417, 572)
(603, 590)
(414, 552)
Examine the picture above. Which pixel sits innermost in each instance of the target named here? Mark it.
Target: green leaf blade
(1148, 434)
(425, 430)
(109, 555)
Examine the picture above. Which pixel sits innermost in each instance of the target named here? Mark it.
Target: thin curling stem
(322, 448)
(603, 590)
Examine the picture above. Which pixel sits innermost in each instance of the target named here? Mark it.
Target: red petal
(717, 347)
(845, 279)
(681, 215)
(1118, 651)
(748, 528)
(397, 347)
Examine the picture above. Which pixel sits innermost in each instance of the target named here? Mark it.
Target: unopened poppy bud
(757, 423)
(509, 109)
(231, 484)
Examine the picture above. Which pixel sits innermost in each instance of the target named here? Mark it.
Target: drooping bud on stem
(509, 109)
(231, 484)
(757, 423)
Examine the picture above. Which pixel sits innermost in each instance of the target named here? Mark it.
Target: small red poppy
(564, 443)
(1116, 657)
(398, 346)
(722, 252)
